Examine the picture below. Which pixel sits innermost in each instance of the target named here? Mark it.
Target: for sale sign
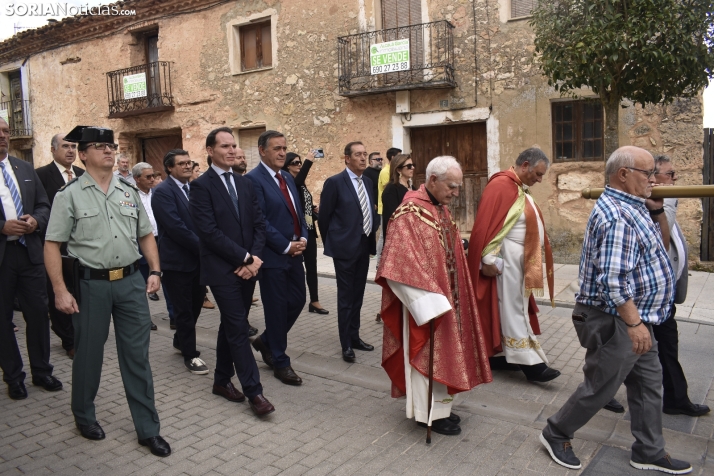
(135, 86)
(390, 56)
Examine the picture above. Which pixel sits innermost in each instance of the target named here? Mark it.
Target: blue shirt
(624, 259)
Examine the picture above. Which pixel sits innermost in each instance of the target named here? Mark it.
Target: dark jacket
(392, 197)
(52, 179)
(306, 201)
(177, 239)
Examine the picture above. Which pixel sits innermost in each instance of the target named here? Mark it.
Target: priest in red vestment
(506, 266)
(425, 277)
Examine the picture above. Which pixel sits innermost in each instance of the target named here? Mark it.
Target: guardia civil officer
(100, 216)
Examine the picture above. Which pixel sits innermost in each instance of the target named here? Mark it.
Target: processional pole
(431, 380)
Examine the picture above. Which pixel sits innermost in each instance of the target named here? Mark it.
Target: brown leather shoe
(208, 304)
(70, 354)
(260, 346)
(229, 392)
(288, 376)
(260, 405)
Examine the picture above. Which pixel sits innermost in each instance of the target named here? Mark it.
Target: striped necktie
(16, 198)
(363, 205)
(69, 174)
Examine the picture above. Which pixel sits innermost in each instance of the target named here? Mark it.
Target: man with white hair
(627, 286)
(123, 169)
(507, 269)
(426, 284)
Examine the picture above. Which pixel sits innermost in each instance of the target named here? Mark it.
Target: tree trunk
(611, 106)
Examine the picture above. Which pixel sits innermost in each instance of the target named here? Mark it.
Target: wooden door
(707, 250)
(153, 74)
(402, 13)
(16, 114)
(155, 148)
(465, 142)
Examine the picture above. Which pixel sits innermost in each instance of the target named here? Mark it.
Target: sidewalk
(342, 419)
(698, 308)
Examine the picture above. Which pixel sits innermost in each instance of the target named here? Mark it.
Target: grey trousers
(610, 361)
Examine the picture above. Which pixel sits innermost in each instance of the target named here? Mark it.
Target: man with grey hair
(626, 288)
(424, 276)
(507, 270)
(123, 169)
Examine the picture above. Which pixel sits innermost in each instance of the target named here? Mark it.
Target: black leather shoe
(157, 445)
(91, 432)
(443, 426)
(561, 452)
(317, 310)
(17, 390)
(252, 331)
(691, 409)
(614, 406)
(48, 382)
(348, 355)
(539, 373)
(153, 327)
(288, 376)
(260, 346)
(454, 418)
(229, 392)
(500, 363)
(153, 296)
(359, 344)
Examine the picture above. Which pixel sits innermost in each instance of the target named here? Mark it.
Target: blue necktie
(231, 191)
(185, 189)
(16, 199)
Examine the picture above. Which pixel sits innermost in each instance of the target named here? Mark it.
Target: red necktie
(284, 189)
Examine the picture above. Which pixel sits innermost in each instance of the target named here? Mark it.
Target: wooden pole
(431, 380)
(674, 191)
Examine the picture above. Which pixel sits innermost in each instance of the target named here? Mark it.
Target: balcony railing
(17, 115)
(430, 65)
(140, 90)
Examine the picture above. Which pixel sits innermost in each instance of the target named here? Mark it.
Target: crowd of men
(81, 245)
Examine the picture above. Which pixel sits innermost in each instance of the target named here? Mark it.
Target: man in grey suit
(675, 400)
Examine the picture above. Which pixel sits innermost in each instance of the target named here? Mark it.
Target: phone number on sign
(390, 68)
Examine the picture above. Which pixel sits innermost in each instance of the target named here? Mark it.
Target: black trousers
(673, 380)
(310, 256)
(351, 277)
(61, 323)
(282, 291)
(233, 349)
(186, 295)
(19, 277)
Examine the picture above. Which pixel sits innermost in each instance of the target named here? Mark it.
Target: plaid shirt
(623, 258)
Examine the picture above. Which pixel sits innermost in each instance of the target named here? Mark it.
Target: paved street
(342, 420)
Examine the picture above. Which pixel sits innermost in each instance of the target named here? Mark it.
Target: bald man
(240, 166)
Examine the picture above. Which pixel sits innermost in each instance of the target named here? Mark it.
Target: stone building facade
(494, 104)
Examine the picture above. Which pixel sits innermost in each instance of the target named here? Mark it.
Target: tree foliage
(648, 51)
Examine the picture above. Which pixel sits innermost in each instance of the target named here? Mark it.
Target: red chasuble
(423, 250)
(498, 197)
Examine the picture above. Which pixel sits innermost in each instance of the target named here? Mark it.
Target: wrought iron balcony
(17, 115)
(140, 89)
(430, 61)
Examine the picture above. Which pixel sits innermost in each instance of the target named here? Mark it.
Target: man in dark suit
(231, 234)
(348, 223)
(282, 286)
(25, 212)
(53, 177)
(179, 255)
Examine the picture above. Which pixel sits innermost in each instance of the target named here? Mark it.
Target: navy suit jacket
(341, 216)
(279, 228)
(178, 241)
(224, 238)
(35, 203)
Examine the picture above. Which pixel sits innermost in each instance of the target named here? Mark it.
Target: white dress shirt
(180, 185)
(63, 171)
(220, 173)
(353, 179)
(6, 197)
(146, 200)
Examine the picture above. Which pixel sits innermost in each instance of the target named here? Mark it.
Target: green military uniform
(102, 231)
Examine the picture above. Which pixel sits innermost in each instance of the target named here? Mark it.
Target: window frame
(577, 122)
(510, 10)
(235, 46)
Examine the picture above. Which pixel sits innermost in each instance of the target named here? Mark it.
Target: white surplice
(423, 307)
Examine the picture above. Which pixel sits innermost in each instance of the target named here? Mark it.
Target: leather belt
(113, 274)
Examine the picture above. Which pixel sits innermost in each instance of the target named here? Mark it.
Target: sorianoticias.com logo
(63, 9)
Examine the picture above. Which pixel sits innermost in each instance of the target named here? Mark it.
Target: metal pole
(431, 380)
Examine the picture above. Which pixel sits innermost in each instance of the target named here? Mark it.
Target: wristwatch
(248, 261)
(156, 273)
(656, 212)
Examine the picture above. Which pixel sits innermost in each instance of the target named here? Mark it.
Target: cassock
(424, 275)
(509, 232)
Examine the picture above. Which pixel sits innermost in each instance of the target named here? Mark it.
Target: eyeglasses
(377, 159)
(185, 163)
(648, 173)
(671, 174)
(407, 166)
(69, 146)
(103, 145)
(296, 162)
(149, 177)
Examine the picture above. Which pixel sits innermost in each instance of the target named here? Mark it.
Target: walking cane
(431, 380)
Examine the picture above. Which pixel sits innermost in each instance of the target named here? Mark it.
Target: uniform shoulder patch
(126, 182)
(68, 184)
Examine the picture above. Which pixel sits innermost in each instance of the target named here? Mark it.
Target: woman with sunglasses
(299, 171)
(402, 173)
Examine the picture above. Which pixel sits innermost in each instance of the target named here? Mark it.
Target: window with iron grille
(522, 8)
(577, 131)
(256, 51)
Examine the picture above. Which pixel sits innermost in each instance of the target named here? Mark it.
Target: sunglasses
(377, 159)
(407, 166)
(103, 145)
(296, 162)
